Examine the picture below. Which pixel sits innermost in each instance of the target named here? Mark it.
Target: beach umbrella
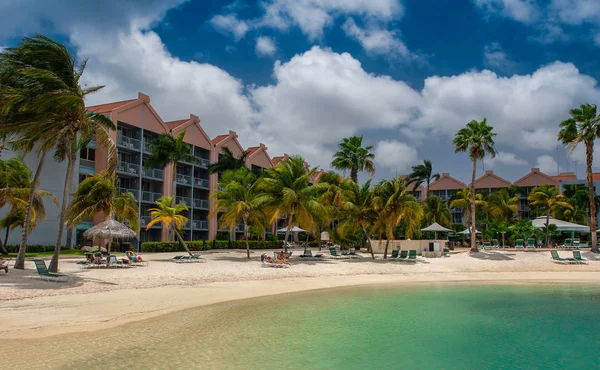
(467, 231)
(435, 227)
(294, 229)
(110, 229)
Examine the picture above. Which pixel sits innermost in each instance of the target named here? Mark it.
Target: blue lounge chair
(577, 257)
(559, 259)
(43, 272)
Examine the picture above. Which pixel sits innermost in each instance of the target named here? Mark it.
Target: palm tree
(395, 204)
(463, 200)
(286, 191)
(15, 179)
(476, 138)
(228, 161)
(502, 206)
(548, 200)
(435, 210)
(351, 155)
(170, 216)
(98, 194)
(358, 211)
(423, 173)
(584, 127)
(237, 200)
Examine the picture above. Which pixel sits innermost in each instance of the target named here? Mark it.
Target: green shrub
(33, 248)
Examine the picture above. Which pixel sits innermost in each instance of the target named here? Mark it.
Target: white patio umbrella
(435, 227)
(294, 229)
(467, 231)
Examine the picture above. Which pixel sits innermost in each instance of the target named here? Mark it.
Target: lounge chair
(395, 253)
(446, 252)
(412, 256)
(568, 243)
(519, 243)
(577, 257)
(309, 256)
(273, 263)
(187, 258)
(335, 254)
(576, 243)
(530, 243)
(349, 253)
(4, 265)
(559, 259)
(487, 245)
(43, 272)
(495, 243)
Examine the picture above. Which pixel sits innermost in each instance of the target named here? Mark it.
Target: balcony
(200, 225)
(185, 200)
(150, 197)
(128, 142)
(132, 191)
(187, 225)
(153, 173)
(183, 179)
(144, 220)
(87, 163)
(201, 183)
(202, 162)
(128, 168)
(201, 204)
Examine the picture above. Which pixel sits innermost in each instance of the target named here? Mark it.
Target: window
(83, 177)
(88, 153)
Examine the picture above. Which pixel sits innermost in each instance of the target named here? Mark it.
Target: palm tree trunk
(53, 267)
(20, 260)
(473, 230)
(354, 174)
(368, 241)
(287, 231)
(589, 157)
(547, 228)
(387, 243)
(246, 237)
(182, 242)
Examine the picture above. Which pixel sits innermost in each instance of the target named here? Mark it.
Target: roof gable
(535, 178)
(447, 182)
(109, 107)
(491, 180)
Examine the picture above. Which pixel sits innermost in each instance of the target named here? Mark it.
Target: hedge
(33, 248)
(202, 245)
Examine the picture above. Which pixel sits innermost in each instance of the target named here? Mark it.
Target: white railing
(154, 173)
(183, 179)
(201, 203)
(125, 190)
(200, 225)
(201, 183)
(87, 163)
(185, 200)
(150, 197)
(128, 168)
(202, 162)
(128, 142)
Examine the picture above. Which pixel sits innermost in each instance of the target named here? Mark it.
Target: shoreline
(28, 318)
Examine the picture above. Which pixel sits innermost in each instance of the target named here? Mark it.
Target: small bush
(33, 248)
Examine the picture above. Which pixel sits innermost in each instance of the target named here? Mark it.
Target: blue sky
(300, 75)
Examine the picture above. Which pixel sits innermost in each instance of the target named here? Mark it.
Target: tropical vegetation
(352, 156)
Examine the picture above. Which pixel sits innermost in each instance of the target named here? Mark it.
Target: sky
(300, 75)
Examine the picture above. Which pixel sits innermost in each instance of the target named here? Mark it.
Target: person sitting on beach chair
(265, 258)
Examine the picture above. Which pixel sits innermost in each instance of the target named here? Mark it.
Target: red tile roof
(105, 108)
(276, 160)
(252, 149)
(218, 139)
(173, 124)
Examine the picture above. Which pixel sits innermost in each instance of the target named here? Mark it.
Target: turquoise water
(383, 327)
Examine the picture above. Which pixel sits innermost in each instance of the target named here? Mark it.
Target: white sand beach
(102, 298)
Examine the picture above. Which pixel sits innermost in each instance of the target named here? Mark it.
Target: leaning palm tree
(170, 216)
(228, 161)
(352, 156)
(236, 198)
(547, 200)
(584, 127)
(358, 211)
(286, 191)
(423, 173)
(476, 138)
(502, 206)
(435, 210)
(395, 204)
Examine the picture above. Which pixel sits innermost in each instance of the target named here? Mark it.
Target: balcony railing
(153, 173)
(144, 220)
(201, 183)
(150, 197)
(87, 163)
(128, 168)
(187, 225)
(132, 191)
(202, 162)
(201, 203)
(183, 179)
(185, 200)
(200, 225)
(128, 142)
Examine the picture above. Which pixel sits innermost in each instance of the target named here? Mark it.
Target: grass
(63, 252)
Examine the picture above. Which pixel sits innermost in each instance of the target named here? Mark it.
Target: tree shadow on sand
(492, 256)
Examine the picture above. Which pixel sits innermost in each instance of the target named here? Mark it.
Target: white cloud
(376, 40)
(265, 46)
(230, 24)
(525, 110)
(504, 158)
(547, 164)
(395, 155)
(495, 57)
(522, 10)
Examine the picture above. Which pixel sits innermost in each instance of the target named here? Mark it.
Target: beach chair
(577, 257)
(487, 245)
(530, 243)
(568, 243)
(559, 259)
(335, 254)
(495, 243)
(412, 256)
(186, 259)
(446, 252)
(395, 253)
(4, 265)
(308, 255)
(519, 243)
(274, 264)
(43, 273)
(576, 243)
(402, 256)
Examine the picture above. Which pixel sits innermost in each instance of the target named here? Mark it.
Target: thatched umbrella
(110, 229)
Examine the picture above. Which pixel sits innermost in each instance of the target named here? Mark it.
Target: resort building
(489, 182)
(446, 188)
(526, 184)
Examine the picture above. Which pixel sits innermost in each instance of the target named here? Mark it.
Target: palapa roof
(110, 229)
